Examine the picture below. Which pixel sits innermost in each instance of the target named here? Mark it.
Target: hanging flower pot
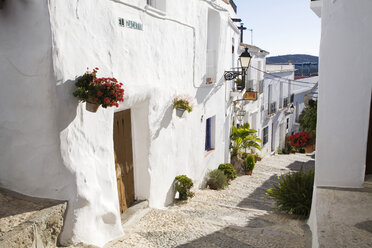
(92, 107)
(180, 112)
(95, 91)
(181, 104)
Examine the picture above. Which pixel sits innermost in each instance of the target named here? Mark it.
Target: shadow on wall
(170, 198)
(205, 92)
(66, 104)
(167, 118)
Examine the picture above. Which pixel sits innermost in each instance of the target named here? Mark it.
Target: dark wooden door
(124, 158)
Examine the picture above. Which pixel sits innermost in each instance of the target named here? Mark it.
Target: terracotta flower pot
(309, 149)
(92, 107)
(180, 112)
(249, 173)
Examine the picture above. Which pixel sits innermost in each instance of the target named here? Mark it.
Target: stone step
(28, 221)
(368, 182)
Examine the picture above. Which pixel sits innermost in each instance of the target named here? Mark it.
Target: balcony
(316, 6)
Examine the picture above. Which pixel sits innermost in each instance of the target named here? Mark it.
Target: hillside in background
(306, 65)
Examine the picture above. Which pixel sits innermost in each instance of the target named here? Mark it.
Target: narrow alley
(238, 216)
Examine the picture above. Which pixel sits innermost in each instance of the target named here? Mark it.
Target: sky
(281, 26)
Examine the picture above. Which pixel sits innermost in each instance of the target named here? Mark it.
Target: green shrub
(183, 186)
(217, 179)
(228, 170)
(249, 162)
(294, 193)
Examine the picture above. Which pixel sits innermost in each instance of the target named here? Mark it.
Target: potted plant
(98, 91)
(248, 164)
(182, 103)
(183, 186)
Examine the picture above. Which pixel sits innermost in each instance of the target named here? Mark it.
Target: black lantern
(245, 60)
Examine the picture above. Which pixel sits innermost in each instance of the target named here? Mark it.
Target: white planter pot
(180, 112)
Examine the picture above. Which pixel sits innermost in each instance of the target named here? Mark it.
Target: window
(287, 123)
(285, 102)
(157, 4)
(261, 86)
(210, 133)
(281, 95)
(213, 42)
(272, 109)
(269, 96)
(265, 137)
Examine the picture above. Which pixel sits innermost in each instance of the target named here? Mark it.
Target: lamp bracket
(230, 75)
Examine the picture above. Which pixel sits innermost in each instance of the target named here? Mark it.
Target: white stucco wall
(344, 98)
(52, 147)
(345, 86)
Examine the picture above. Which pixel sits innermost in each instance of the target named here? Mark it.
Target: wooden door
(124, 158)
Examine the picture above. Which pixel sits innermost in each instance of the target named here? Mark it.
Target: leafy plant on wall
(308, 117)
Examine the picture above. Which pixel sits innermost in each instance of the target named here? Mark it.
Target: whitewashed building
(342, 199)
(52, 147)
(248, 111)
(277, 119)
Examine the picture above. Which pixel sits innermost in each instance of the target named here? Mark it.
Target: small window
(157, 4)
(287, 123)
(265, 137)
(210, 133)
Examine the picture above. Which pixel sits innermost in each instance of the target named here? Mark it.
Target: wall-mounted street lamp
(245, 60)
(292, 108)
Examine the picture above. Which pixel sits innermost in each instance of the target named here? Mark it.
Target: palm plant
(244, 137)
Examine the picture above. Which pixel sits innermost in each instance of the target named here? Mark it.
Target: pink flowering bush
(104, 91)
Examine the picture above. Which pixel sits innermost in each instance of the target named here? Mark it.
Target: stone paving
(238, 216)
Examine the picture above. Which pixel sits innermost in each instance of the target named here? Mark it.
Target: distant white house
(277, 118)
(52, 147)
(342, 199)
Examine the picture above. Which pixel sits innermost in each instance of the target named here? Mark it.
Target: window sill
(208, 152)
(155, 10)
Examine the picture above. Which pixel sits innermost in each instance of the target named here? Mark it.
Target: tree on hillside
(307, 118)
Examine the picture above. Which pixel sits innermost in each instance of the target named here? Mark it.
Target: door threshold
(131, 212)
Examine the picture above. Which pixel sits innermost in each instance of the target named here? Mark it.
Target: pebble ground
(237, 216)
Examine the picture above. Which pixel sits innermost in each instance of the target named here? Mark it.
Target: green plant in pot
(183, 186)
(248, 164)
(182, 103)
(228, 170)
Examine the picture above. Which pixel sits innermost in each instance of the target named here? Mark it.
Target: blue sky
(281, 26)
